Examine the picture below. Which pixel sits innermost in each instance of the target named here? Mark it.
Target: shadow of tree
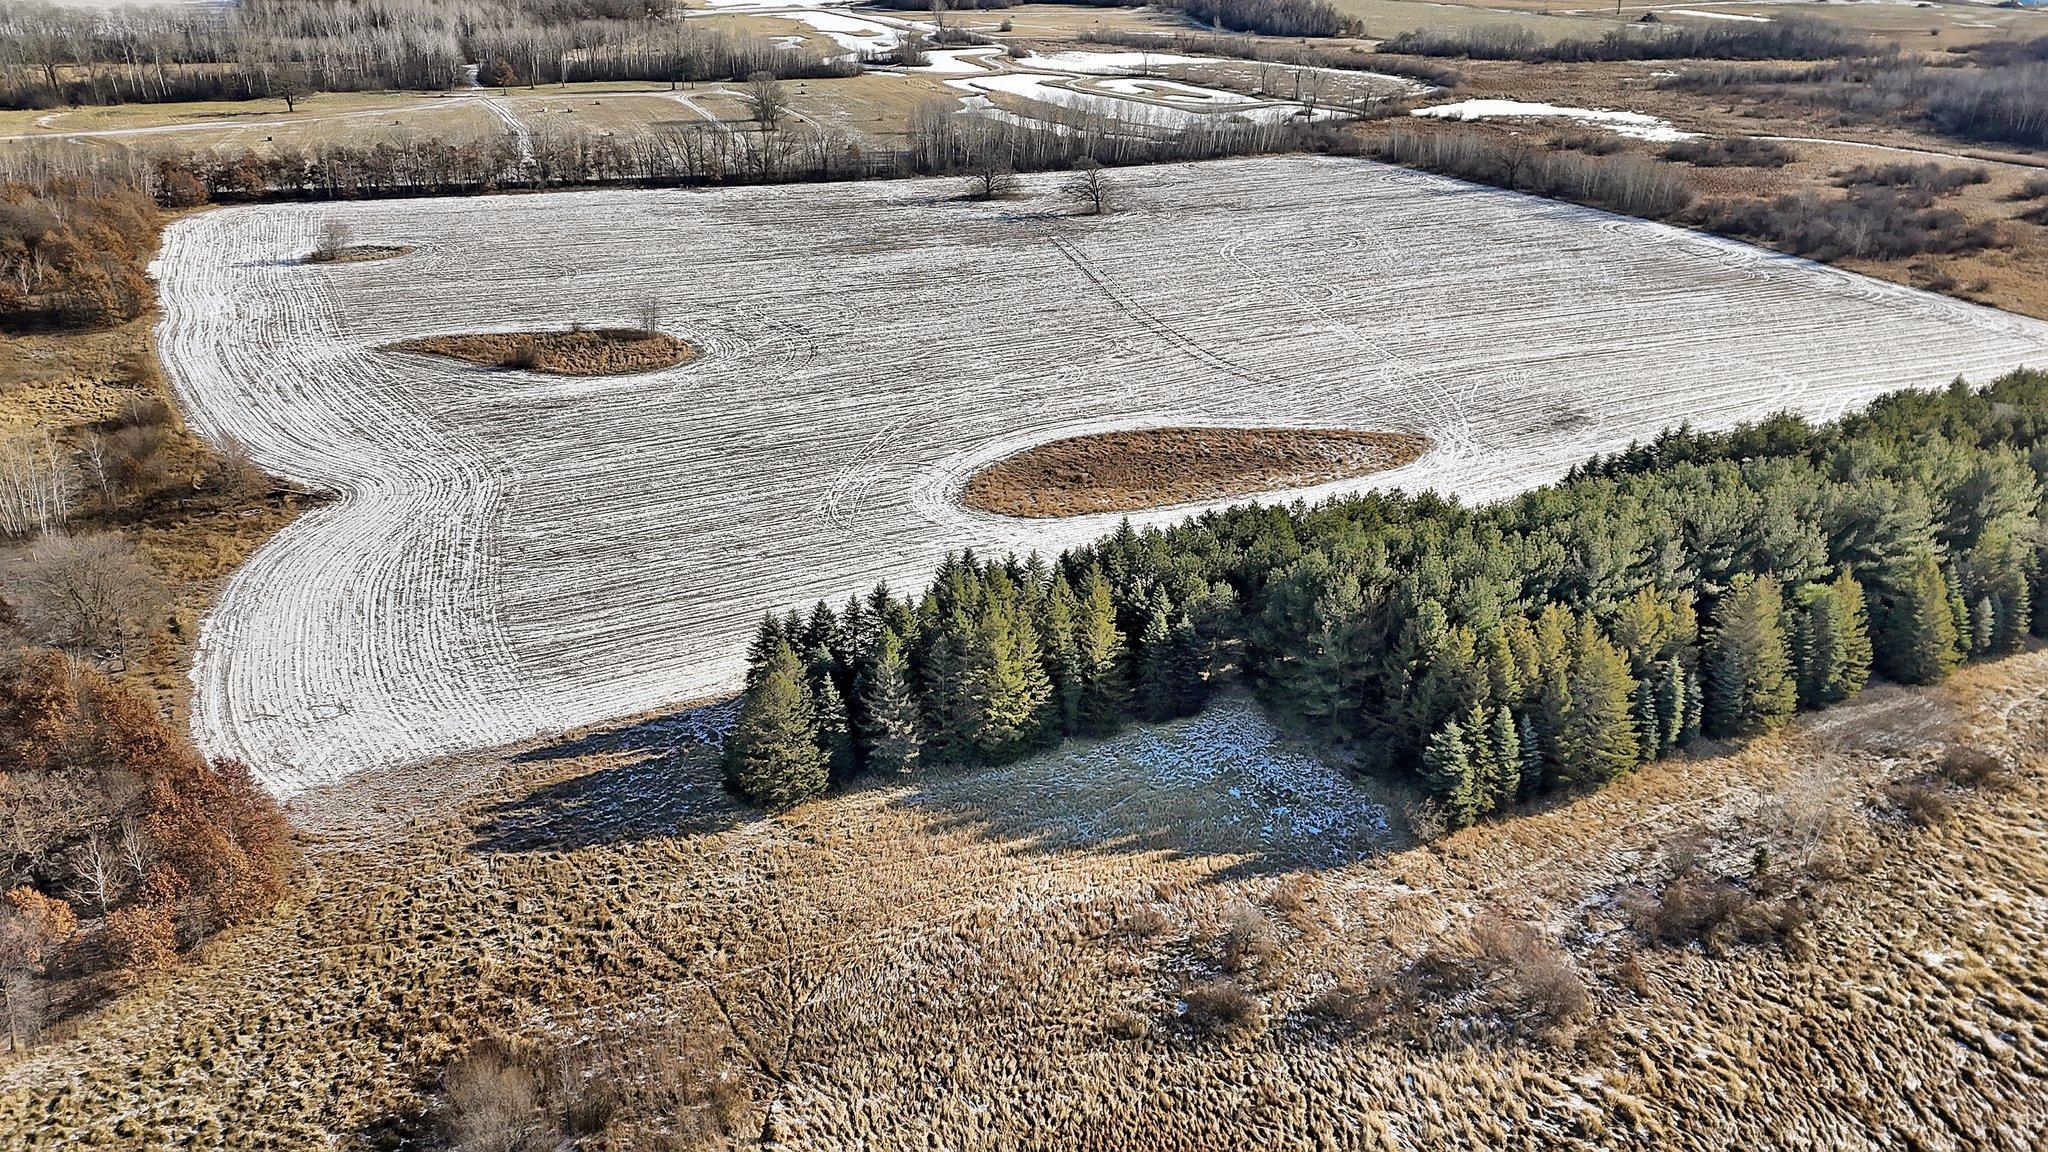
(668, 783)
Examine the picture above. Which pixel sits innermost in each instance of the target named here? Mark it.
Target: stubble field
(516, 554)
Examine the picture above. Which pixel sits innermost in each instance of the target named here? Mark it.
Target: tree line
(73, 250)
(280, 49)
(1702, 585)
(1270, 17)
(1781, 38)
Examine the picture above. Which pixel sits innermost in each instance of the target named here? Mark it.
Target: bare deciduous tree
(86, 593)
(1089, 186)
(993, 175)
(334, 236)
(766, 99)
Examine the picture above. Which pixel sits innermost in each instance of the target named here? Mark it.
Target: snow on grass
(513, 554)
(1639, 125)
(1122, 108)
(1109, 63)
(1224, 782)
(959, 61)
(1720, 16)
(1171, 91)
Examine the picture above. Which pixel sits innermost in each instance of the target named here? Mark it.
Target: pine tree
(1105, 686)
(772, 755)
(1917, 643)
(1057, 624)
(1448, 770)
(890, 736)
(1749, 672)
(1170, 665)
(1830, 641)
(1596, 737)
(1496, 752)
(1006, 685)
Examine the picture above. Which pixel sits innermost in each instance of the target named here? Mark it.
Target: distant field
(513, 555)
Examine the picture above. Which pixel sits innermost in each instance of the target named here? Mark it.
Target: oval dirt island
(1161, 467)
(575, 352)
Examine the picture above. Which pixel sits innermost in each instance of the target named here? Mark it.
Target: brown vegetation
(356, 253)
(577, 352)
(1161, 467)
(588, 941)
(72, 253)
(119, 839)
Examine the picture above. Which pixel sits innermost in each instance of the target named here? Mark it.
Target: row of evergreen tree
(1703, 584)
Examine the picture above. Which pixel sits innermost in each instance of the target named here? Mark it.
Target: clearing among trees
(577, 352)
(514, 553)
(1162, 467)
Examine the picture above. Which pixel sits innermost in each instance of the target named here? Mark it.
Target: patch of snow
(1109, 63)
(1171, 91)
(959, 61)
(1638, 125)
(1720, 15)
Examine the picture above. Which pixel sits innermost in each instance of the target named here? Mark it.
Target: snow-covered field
(513, 554)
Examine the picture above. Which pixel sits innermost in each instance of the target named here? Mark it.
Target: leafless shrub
(1930, 178)
(1143, 921)
(86, 593)
(1591, 143)
(524, 357)
(1532, 978)
(1220, 1009)
(1970, 767)
(490, 1101)
(2032, 188)
(1246, 941)
(1126, 1025)
(1919, 802)
(1729, 152)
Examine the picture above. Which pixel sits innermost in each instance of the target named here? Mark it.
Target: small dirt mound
(356, 253)
(1161, 467)
(578, 352)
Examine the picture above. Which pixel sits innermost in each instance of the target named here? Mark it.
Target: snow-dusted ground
(1639, 125)
(514, 553)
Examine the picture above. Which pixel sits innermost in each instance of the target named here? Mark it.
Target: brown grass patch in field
(577, 352)
(357, 253)
(1161, 467)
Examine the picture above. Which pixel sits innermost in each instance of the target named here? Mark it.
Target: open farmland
(514, 553)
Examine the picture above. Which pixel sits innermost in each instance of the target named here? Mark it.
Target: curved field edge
(1005, 950)
(530, 556)
(1173, 467)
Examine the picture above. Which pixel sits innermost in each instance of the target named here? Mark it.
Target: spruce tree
(1917, 643)
(890, 735)
(1099, 646)
(1448, 770)
(1830, 641)
(1009, 695)
(1170, 664)
(1596, 736)
(1505, 739)
(772, 755)
(1057, 624)
(1749, 672)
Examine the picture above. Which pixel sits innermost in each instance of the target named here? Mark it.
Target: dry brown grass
(195, 512)
(356, 253)
(1161, 467)
(1049, 948)
(577, 352)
